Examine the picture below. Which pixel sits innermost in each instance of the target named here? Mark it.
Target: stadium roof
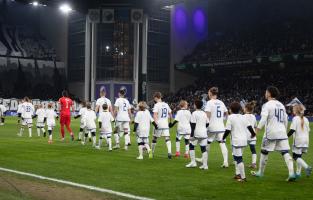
(84, 5)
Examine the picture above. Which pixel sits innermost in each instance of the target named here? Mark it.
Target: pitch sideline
(89, 187)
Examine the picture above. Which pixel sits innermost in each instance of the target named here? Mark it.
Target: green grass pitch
(157, 178)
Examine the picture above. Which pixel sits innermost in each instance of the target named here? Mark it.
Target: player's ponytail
(250, 106)
(299, 111)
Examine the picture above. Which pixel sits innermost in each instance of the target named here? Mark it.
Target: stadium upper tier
(22, 41)
(265, 39)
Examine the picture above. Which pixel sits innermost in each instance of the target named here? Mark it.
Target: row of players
(200, 127)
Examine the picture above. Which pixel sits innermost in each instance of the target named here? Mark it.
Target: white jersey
(101, 101)
(3, 109)
(163, 110)
(106, 118)
(251, 120)
(90, 119)
(19, 108)
(144, 119)
(183, 117)
(123, 107)
(27, 110)
(41, 114)
(238, 125)
(301, 136)
(217, 109)
(82, 112)
(275, 120)
(51, 115)
(200, 118)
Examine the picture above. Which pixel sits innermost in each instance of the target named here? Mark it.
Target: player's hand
(170, 125)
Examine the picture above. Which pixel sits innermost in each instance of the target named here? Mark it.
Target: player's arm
(208, 114)
(226, 133)
(228, 128)
(115, 111)
(264, 115)
(253, 134)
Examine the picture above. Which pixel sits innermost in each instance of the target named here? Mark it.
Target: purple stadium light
(180, 18)
(199, 21)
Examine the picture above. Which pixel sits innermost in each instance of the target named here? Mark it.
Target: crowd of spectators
(250, 85)
(265, 39)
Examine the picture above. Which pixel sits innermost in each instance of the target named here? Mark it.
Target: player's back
(82, 111)
(183, 117)
(143, 118)
(106, 118)
(27, 110)
(217, 109)
(90, 118)
(277, 119)
(101, 101)
(41, 114)
(199, 117)
(163, 110)
(66, 104)
(123, 106)
(301, 135)
(238, 125)
(50, 115)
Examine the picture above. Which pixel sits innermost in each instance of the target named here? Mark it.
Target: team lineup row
(202, 127)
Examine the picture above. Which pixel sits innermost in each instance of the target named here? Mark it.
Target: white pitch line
(89, 187)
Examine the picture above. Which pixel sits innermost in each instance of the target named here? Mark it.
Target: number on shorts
(280, 115)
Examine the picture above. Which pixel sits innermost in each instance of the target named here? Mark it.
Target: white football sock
(21, 130)
(177, 146)
(205, 159)
(289, 163)
(89, 135)
(127, 139)
(100, 142)
(299, 168)
(224, 152)
(169, 146)
(302, 163)
(140, 150)
(117, 139)
(263, 162)
(254, 158)
(187, 149)
(50, 137)
(237, 171)
(80, 134)
(94, 140)
(38, 132)
(153, 147)
(43, 130)
(109, 140)
(30, 132)
(192, 156)
(241, 168)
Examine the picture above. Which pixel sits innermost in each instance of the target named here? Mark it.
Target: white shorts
(82, 125)
(91, 130)
(28, 122)
(201, 141)
(237, 151)
(143, 140)
(215, 137)
(252, 142)
(122, 126)
(51, 127)
(161, 132)
(275, 145)
(40, 124)
(299, 150)
(180, 136)
(108, 135)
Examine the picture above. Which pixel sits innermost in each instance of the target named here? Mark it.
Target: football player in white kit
(19, 114)
(182, 117)
(161, 115)
(251, 119)
(50, 119)
(122, 115)
(40, 114)
(106, 120)
(81, 114)
(3, 109)
(199, 123)
(300, 128)
(275, 120)
(103, 100)
(142, 121)
(27, 112)
(89, 120)
(237, 125)
(216, 112)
